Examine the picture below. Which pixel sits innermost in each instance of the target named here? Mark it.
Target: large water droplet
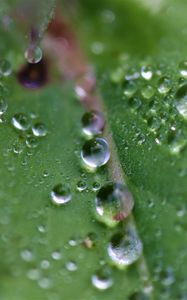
(114, 202)
(95, 152)
(102, 279)
(3, 106)
(181, 100)
(93, 123)
(33, 55)
(164, 85)
(60, 194)
(125, 247)
(39, 129)
(20, 121)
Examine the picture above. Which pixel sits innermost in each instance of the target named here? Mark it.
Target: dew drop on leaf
(183, 68)
(164, 85)
(71, 266)
(102, 279)
(95, 153)
(147, 72)
(39, 129)
(125, 247)
(60, 194)
(5, 68)
(93, 123)
(181, 100)
(21, 121)
(33, 55)
(3, 107)
(130, 88)
(147, 91)
(114, 202)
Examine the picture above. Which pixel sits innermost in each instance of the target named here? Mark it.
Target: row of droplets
(113, 202)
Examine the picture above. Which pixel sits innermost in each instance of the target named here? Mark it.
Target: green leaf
(147, 138)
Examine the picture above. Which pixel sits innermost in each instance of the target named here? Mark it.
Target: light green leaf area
(34, 233)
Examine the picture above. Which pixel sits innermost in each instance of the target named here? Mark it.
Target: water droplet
(33, 55)
(93, 123)
(183, 69)
(181, 100)
(164, 85)
(20, 121)
(114, 202)
(102, 279)
(5, 67)
(44, 283)
(71, 266)
(125, 248)
(45, 264)
(33, 274)
(130, 88)
(147, 91)
(95, 153)
(97, 48)
(39, 129)
(31, 142)
(147, 72)
(3, 107)
(26, 255)
(56, 255)
(96, 186)
(60, 194)
(81, 185)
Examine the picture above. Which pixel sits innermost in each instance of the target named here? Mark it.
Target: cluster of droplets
(29, 128)
(158, 97)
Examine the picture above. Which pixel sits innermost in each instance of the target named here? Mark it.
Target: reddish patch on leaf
(119, 217)
(33, 76)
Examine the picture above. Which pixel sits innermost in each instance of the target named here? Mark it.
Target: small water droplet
(93, 123)
(102, 279)
(96, 186)
(5, 67)
(147, 72)
(44, 283)
(181, 100)
(139, 296)
(39, 129)
(125, 247)
(114, 202)
(183, 68)
(33, 55)
(45, 264)
(20, 121)
(3, 107)
(81, 185)
(95, 153)
(31, 142)
(147, 91)
(33, 274)
(71, 266)
(130, 88)
(26, 255)
(56, 255)
(164, 85)
(60, 194)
